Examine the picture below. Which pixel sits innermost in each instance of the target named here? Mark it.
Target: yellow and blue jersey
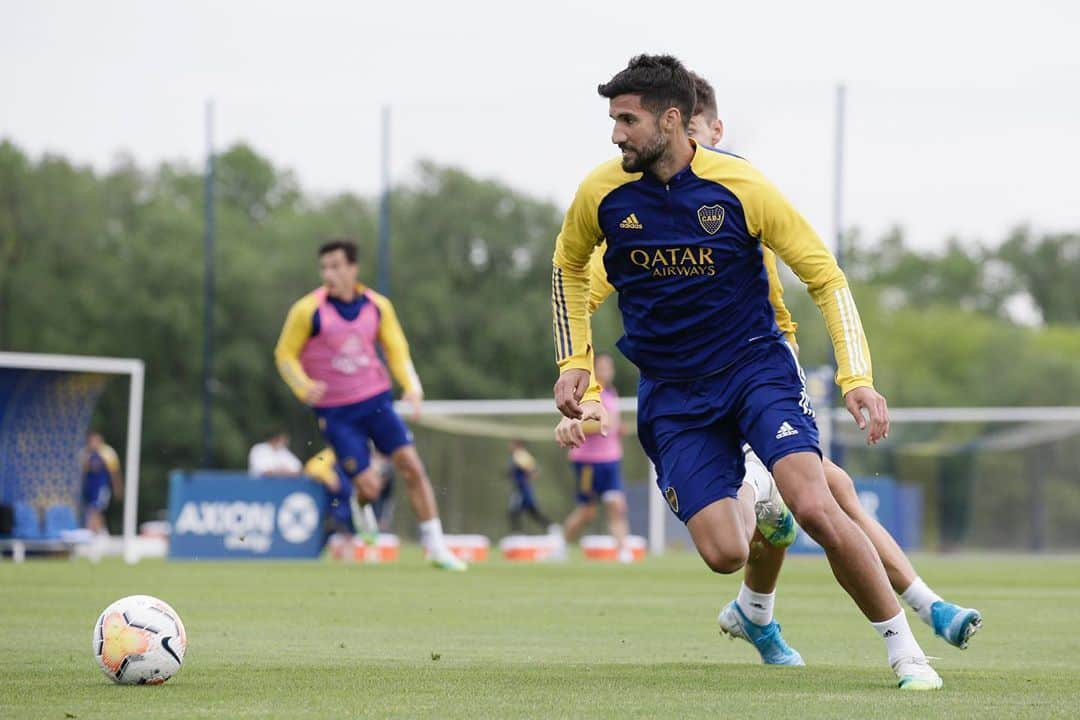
(98, 467)
(600, 289)
(522, 468)
(688, 260)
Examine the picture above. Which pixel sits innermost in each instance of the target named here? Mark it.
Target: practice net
(975, 478)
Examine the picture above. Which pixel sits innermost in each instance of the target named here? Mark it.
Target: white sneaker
(626, 555)
(774, 520)
(446, 560)
(916, 674)
(364, 522)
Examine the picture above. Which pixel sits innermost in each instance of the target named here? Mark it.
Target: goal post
(12, 420)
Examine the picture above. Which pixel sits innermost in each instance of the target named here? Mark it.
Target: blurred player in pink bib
(328, 353)
(597, 467)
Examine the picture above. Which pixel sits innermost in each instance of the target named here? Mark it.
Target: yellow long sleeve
(571, 278)
(294, 335)
(599, 287)
(772, 219)
(396, 347)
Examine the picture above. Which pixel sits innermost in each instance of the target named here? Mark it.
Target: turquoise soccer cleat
(766, 639)
(954, 624)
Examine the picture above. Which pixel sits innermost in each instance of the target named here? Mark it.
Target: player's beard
(643, 158)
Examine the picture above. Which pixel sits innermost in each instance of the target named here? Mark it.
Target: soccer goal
(46, 405)
(985, 478)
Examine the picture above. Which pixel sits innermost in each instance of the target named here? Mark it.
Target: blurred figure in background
(522, 471)
(272, 457)
(323, 468)
(102, 480)
(383, 507)
(330, 352)
(598, 468)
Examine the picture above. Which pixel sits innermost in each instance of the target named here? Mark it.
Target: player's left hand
(570, 432)
(869, 399)
(415, 399)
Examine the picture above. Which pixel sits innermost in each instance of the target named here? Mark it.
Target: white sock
(757, 476)
(920, 597)
(363, 516)
(431, 536)
(757, 607)
(899, 640)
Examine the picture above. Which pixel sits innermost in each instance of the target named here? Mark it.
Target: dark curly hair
(661, 81)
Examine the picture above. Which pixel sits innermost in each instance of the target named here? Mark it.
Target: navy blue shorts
(594, 480)
(349, 428)
(96, 496)
(522, 499)
(693, 430)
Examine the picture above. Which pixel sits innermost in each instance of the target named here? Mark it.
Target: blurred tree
(111, 264)
(1048, 269)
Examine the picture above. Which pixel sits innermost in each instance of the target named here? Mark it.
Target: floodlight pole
(209, 227)
(383, 280)
(828, 446)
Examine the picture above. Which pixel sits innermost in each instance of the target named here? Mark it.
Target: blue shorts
(97, 496)
(522, 499)
(693, 430)
(349, 428)
(594, 480)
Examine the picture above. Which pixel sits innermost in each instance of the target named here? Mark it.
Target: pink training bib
(597, 448)
(343, 354)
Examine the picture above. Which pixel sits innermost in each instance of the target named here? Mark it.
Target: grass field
(578, 640)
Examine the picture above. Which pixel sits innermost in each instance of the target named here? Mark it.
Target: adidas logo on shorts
(785, 431)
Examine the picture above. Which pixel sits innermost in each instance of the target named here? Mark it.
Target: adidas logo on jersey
(785, 431)
(631, 223)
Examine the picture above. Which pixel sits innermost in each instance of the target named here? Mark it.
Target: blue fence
(218, 515)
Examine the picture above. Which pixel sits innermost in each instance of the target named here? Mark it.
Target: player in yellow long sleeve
(951, 622)
(683, 227)
(328, 355)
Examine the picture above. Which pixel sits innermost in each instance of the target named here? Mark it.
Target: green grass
(322, 640)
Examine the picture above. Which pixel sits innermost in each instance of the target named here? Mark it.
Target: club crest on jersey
(711, 217)
(672, 499)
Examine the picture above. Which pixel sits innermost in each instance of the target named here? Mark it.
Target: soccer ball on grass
(139, 640)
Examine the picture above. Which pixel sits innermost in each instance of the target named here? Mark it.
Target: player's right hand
(569, 389)
(870, 400)
(315, 392)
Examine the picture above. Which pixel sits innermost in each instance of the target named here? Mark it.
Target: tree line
(110, 263)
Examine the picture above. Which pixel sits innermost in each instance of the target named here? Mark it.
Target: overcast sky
(963, 117)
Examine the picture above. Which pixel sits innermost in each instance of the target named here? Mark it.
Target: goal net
(46, 405)
(972, 478)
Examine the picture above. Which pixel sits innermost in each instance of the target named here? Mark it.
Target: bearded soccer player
(684, 226)
(327, 354)
(753, 608)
